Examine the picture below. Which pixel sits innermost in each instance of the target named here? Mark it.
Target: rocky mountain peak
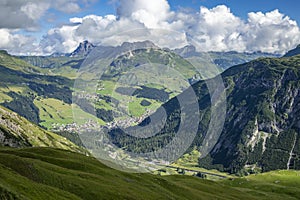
(83, 49)
(186, 51)
(138, 45)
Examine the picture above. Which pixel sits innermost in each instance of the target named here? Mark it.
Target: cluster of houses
(92, 125)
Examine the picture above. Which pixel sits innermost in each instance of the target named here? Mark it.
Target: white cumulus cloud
(67, 6)
(21, 14)
(150, 13)
(217, 29)
(16, 43)
(19, 18)
(270, 32)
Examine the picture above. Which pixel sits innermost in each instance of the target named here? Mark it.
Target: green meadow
(45, 173)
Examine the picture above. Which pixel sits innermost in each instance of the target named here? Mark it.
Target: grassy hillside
(37, 172)
(53, 111)
(61, 65)
(16, 131)
(271, 185)
(42, 99)
(17, 64)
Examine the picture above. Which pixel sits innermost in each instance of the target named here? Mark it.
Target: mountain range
(262, 99)
(223, 60)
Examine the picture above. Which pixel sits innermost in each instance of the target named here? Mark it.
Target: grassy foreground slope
(280, 184)
(44, 173)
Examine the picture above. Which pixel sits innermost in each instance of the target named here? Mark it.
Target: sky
(43, 27)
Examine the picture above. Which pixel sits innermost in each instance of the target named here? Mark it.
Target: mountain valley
(39, 94)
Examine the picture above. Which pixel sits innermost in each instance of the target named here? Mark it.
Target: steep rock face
(83, 49)
(262, 123)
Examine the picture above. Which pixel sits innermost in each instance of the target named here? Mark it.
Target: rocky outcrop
(83, 49)
(261, 127)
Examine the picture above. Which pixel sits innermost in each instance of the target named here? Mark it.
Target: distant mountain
(293, 52)
(16, 131)
(108, 52)
(86, 47)
(66, 64)
(14, 63)
(54, 63)
(261, 130)
(223, 60)
(60, 60)
(128, 56)
(135, 55)
(82, 50)
(187, 51)
(54, 55)
(127, 46)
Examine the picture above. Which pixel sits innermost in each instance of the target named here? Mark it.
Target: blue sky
(100, 7)
(242, 8)
(44, 27)
(239, 8)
